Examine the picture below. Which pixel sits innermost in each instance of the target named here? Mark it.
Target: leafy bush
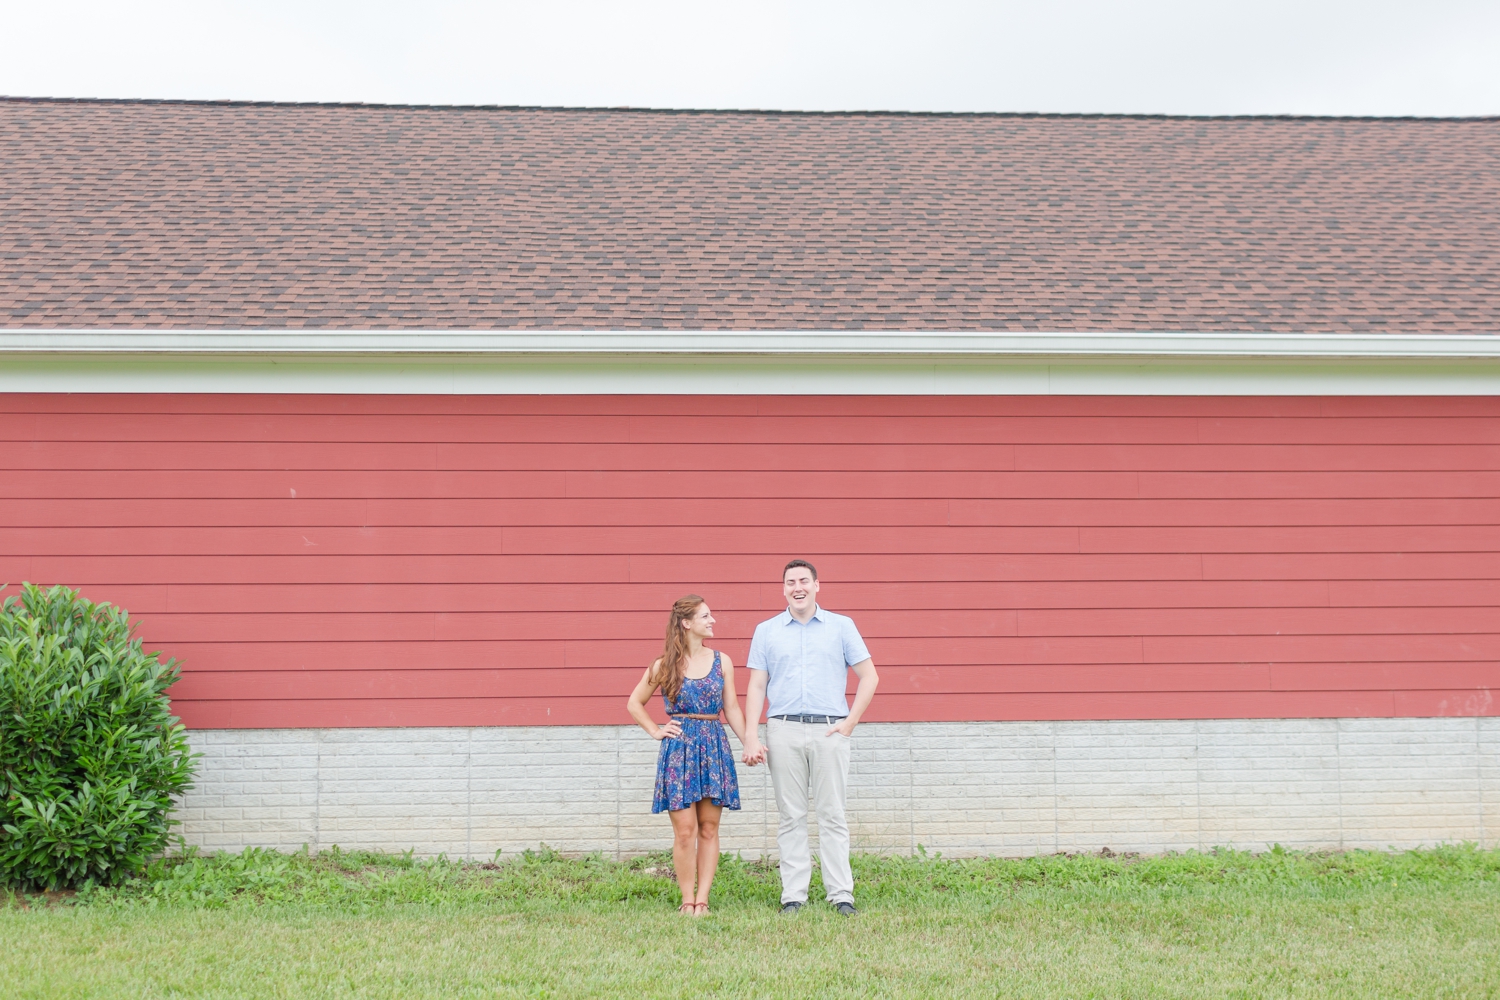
(90, 754)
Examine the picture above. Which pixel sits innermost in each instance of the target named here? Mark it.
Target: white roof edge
(744, 342)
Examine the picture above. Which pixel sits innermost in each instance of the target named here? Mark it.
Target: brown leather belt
(686, 715)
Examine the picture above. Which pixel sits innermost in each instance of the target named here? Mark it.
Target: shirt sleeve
(756, 659)
(854, 645)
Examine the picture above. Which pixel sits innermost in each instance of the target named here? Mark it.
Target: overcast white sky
(1367, 57)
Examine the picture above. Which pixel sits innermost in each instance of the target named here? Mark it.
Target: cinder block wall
(1007, 788)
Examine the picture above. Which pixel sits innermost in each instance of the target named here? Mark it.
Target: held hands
(670, 731)
(754, 753)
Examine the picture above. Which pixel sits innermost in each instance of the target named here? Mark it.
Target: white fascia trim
(827, 343)
(698, 374)
(746, 363)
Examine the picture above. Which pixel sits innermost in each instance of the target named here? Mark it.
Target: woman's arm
(636, 706)
(732, 713)
(755, 701)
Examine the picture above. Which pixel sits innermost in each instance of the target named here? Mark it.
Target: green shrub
(90, 754)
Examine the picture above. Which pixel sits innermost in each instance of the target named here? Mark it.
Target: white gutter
(730, 342)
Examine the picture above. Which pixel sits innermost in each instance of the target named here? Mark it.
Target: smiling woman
(695, 774)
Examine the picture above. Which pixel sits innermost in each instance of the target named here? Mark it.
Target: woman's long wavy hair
(673, 663)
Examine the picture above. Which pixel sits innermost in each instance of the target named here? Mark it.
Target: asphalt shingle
(136, 214)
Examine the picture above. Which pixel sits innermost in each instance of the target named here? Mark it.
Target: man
(799, 659)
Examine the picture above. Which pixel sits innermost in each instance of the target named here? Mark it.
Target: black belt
(822, 720)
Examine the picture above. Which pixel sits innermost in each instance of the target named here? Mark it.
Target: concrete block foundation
(1001, 788)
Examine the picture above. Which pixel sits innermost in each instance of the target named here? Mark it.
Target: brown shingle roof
(253, 215)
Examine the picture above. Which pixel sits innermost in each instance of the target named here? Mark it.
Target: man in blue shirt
(800, 659)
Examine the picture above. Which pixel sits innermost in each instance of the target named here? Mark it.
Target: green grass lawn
(1418, 924)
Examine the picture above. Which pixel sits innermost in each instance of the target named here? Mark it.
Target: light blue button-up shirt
(807, 665)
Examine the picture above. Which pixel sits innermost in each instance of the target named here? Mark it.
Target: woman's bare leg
(685, 849)
(708, 847)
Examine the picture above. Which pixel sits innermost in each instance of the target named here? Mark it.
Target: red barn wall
(387, 560)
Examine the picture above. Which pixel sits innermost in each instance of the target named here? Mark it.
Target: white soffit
(771, 342)
(750, 362)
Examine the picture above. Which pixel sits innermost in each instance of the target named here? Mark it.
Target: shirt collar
(786, 616)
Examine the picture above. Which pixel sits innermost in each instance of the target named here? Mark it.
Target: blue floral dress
(699, 764)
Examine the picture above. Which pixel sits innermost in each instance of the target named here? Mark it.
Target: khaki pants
(802, 759)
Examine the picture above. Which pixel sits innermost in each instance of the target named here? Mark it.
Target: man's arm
(869, 680)
(755, 702)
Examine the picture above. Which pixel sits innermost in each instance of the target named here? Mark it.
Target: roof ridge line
(748, 112)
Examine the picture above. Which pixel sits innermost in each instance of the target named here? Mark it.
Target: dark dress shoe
(847, 909)
(790, 907)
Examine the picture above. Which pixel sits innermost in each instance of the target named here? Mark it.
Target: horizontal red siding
(404, 560)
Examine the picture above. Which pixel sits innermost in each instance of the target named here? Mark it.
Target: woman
(695, 776)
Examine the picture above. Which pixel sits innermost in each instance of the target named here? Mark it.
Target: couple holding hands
(798, 662)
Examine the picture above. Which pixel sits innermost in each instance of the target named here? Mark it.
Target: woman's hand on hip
(670, 731)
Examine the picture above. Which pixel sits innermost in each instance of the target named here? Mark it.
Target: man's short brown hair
(799, 563)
